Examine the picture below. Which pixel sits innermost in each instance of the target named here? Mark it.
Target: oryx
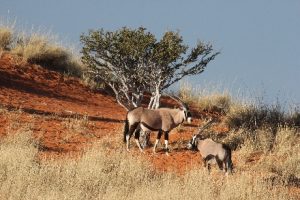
(212, 152)
(162, 120)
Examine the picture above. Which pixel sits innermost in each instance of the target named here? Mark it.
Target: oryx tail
(126, 129)
(228, 160)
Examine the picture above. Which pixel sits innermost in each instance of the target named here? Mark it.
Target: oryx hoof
(167, 151)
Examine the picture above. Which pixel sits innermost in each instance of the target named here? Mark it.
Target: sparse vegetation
(5, 38)
(266, 135)
(120, 176)
(213, 102)
(255, 116)
(265, 140)
(40, 48)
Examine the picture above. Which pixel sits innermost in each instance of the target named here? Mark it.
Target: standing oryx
(162, 120)
(212, 152)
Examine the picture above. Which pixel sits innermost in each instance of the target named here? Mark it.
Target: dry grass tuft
(256, 116)
(293, 119)
(78, 124)
(42, 50)
(219, 103)
(94, 176)
(206, 101)
(6, 37)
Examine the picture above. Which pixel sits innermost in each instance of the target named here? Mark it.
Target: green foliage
(133, 61)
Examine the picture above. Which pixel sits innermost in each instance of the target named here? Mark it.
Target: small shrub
(219, 103)
(293, 119)
(6, 38)
(209, 102)
(255, 116)
(235, 139)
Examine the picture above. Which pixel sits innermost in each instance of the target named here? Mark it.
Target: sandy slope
(53, 106)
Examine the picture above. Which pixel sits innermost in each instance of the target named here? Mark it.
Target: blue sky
(258, 39)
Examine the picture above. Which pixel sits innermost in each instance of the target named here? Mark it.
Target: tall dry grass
(255, 116)
(43, 50)
(106, 172)
(5, 38)
(6, 34)
(249, 114)
(94, 176)
(265, 136)
(206, 99)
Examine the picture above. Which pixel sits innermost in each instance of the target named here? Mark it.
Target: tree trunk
(156, 103)
(155, 99)
(151, 102)
(137, 99)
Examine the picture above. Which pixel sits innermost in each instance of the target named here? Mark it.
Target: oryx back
(213, 152)
(151, 120)
(210, 147)
(134, 116)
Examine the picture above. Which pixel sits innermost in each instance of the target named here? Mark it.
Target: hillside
(67, 119)
(45, 100)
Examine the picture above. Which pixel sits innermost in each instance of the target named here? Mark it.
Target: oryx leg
(208, 160)
(157, 140)
(227, 166)
(228, 163)
(130, 132)
(136, 138)
(207, 164)
(220, 163)
(209, 168)
(166, 142)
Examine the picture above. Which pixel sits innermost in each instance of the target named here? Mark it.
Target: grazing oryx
(212, 152)
(162, 120)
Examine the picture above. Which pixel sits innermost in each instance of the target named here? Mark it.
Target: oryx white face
(192, 143)
(187, 116)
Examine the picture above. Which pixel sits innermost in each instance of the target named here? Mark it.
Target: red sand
(47, 100)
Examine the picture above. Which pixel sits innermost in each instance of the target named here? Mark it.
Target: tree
(132, 62)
